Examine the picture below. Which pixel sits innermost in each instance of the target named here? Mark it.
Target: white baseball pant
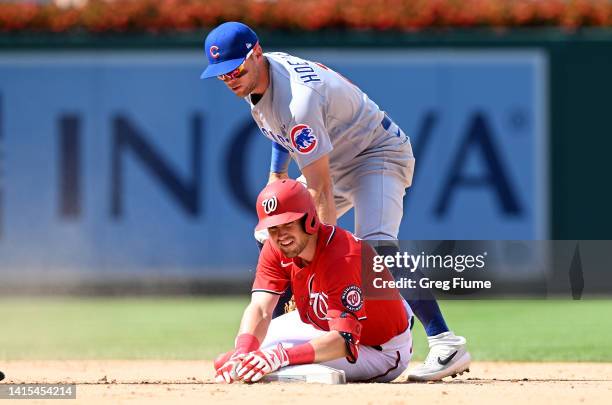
(372, 365)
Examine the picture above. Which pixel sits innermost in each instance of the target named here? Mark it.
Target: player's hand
(277, 176)
(225, 367)
(261, 362)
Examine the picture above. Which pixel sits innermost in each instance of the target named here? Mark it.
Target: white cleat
(448, 356)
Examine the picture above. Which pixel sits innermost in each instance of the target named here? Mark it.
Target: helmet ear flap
(311, 223)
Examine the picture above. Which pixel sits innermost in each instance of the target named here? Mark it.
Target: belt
(390, 126)
(386, 122)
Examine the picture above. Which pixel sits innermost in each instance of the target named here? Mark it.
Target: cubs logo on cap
(214, 51)
(226, 47)
(303, 139)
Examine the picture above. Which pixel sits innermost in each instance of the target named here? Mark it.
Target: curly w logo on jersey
(318, 302)
(302, 138)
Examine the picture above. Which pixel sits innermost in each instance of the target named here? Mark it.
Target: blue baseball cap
(226, 47)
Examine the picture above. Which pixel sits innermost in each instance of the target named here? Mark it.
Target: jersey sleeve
(308, 134)
(270, 276)
(346, 307)
(343, 282)
(279, 159)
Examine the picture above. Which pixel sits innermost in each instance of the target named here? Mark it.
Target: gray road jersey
(311, 110)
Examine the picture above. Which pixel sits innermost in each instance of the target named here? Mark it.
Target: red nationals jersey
(332, 283)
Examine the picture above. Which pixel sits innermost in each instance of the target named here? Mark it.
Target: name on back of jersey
(303, 68)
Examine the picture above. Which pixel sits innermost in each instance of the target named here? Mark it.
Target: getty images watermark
(488, 269)
(404, 262)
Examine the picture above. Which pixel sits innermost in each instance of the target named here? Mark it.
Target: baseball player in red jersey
(335, 323)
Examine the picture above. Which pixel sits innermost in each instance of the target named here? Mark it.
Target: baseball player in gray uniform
(351, 155)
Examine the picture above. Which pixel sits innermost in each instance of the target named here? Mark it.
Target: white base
(307, 373)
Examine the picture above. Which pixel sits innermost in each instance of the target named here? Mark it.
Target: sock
(426, 309)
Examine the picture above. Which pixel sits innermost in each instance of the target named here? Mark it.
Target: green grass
(200, 328)
(106, 328)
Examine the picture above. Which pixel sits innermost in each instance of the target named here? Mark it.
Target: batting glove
(226, 371)
(261, 362)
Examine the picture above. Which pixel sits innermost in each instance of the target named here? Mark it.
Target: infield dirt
(136, 382)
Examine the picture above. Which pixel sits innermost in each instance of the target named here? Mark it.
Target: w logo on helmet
(302, 138)
(269, 204)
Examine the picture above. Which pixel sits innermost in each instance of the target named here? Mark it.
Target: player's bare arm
(253, 328)
(320, 186)
(255, 364)
(277, 176)
(258, 314)
(328, 347)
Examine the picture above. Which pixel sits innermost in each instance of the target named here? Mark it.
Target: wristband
(246, 343)
(279, 161)
(301, 354)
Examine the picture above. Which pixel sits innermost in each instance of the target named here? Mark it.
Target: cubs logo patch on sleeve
(303, 139)
(352, 298)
